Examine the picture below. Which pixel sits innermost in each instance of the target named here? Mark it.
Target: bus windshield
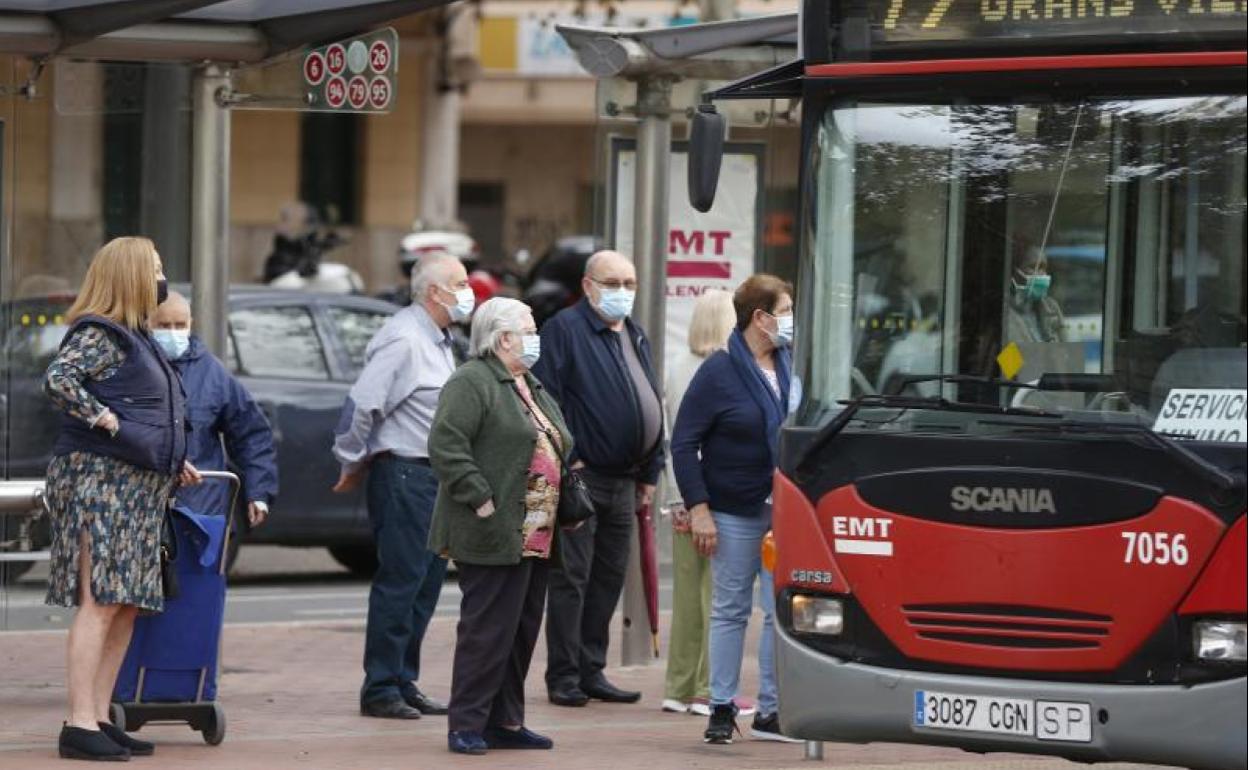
(1013, 240)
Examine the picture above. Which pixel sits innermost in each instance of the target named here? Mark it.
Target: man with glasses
(384, 431)
(596, 363)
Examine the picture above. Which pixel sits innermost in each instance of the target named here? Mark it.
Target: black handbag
(168, 558)
(575, 504)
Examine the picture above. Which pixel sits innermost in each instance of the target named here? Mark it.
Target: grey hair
(429, 270)
(494, 318)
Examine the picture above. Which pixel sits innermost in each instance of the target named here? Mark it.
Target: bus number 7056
(1155, 548)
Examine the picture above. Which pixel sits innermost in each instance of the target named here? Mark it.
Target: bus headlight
(1221, 640)
(818, 615)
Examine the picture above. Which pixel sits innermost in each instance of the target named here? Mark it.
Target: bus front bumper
(826, 698)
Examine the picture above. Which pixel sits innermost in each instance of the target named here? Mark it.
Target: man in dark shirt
(596, 363)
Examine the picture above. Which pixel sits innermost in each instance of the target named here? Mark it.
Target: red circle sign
(379, 56)
(357, 92)
(314, 68)
(336, 92)
(379, 93)
(336, 58)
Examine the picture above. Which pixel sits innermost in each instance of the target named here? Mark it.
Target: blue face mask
(784, 330)
(532, 350)
(1035, 286)
(616, 304)
(174, 342)
(1038, 286)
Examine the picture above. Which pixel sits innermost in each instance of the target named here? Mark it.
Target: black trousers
(500, 616)
(585, 584)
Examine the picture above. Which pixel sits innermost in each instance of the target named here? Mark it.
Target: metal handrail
(23, 497)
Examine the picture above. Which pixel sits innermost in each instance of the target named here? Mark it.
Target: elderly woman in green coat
(495, 446)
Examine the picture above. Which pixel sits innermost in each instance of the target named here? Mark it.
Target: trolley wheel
(117, 713)
(214, 733)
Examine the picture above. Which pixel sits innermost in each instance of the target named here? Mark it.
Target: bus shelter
(114, 119)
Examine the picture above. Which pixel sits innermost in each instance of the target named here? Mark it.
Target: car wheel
(360, 559)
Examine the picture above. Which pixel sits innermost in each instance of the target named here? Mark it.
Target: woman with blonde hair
(687, 684)
(120, 454)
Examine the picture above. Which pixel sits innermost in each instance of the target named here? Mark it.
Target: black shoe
(118, 736)
(389, 709)
(605, 691)
(424, 704)
(522, 738)
(568, 696)
(722, 725)
(767, 728)
(466, 742)
(93, 745)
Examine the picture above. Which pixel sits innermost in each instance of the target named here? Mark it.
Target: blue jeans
(734, 567)
(409, 576)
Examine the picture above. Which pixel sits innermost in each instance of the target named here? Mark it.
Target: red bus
(1010, 511)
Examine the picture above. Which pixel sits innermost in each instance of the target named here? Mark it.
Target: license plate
(1045, 720)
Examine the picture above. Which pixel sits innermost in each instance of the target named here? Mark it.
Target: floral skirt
(121, 508)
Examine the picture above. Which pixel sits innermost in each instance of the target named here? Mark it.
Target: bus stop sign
(359, 74)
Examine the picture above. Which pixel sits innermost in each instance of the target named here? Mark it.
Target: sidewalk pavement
(290, 696)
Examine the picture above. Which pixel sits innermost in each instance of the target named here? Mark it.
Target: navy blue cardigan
(722, 454)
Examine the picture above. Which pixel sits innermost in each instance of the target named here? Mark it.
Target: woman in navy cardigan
(724, 452)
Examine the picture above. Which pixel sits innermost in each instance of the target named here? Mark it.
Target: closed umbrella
(649, 570)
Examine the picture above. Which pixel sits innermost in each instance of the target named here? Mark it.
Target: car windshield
(1092, 237)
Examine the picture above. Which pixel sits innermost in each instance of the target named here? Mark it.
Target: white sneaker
(767, 728)
(673, 706)
(699, 707)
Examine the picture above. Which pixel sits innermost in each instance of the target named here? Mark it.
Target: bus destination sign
(898, 21)
(354, 75)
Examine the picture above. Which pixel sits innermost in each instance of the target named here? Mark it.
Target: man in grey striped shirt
(385, 432)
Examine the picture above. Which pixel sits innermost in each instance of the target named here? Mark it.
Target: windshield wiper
(843, 418)
(1225, 482)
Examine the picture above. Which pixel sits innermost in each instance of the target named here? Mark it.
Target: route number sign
(359, 74)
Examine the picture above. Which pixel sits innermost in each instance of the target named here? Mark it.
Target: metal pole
(814, 751)
(650, 226)
(210, 207)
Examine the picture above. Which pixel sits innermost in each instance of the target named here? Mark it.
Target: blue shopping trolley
(170, 671)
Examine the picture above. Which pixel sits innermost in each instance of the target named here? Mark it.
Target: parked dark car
(554, 281)
(298, 353)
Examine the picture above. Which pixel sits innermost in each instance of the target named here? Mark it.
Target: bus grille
(1016, 627)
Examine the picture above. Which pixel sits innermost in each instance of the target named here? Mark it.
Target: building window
(329, 177)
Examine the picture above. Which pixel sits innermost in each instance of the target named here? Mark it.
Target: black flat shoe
(424, 704)
(571, 696)
(135, 746)
(522, 738)
(91, 745)
(466, 742)
(605, 691)
(389, 709)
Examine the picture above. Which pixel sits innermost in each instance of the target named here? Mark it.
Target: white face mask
(531, 350)
(465, 302)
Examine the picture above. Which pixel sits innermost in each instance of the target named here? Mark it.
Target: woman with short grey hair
(496, 518)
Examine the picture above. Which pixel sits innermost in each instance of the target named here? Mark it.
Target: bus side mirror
(706, 153)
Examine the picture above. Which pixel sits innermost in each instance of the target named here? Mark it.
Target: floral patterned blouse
(90, 355)
(542, 497)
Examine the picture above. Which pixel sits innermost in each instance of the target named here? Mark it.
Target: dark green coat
(480, 446)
